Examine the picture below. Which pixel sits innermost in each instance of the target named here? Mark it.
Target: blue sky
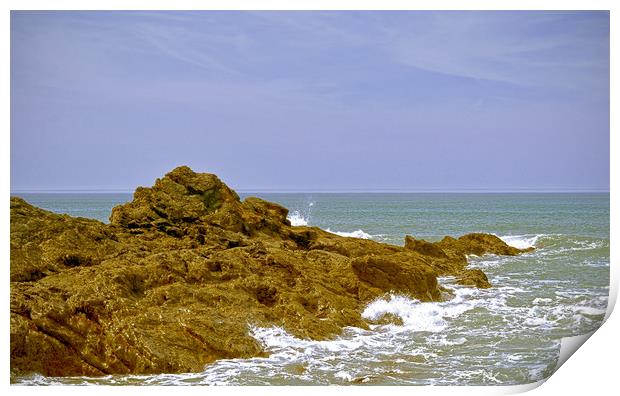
(311, 100)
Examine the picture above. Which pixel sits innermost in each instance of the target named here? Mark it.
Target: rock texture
(180, 274)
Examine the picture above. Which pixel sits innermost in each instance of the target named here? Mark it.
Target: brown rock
(473, 277)
(181, 272)
(479, 244)
(398, 273)
(423, 247)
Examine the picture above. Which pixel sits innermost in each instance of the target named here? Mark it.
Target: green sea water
(509, 334)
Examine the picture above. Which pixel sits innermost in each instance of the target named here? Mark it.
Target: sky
(406, 100)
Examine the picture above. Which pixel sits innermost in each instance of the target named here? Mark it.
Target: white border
(594, 367)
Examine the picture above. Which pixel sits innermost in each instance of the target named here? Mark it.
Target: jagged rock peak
(182, 195)
(184, 198)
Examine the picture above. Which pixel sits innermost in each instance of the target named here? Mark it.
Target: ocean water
(507, 335)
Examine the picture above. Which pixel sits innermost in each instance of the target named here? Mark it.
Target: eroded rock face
(181, 272)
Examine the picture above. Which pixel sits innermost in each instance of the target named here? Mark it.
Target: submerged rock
(181, 272)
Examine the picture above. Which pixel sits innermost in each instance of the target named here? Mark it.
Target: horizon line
(327, 191)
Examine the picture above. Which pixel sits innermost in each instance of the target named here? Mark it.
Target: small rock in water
(386, 319)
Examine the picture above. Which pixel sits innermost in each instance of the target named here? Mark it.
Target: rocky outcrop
(181, 273)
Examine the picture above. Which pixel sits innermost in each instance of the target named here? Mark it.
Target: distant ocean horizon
(309, 190)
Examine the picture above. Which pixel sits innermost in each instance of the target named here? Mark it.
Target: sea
(509, 334)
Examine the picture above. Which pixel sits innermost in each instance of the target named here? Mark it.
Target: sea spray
(297, 219)
(301, 217)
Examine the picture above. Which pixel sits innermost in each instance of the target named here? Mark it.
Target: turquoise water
(508, 334)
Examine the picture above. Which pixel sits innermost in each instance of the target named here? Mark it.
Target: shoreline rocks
(181, 272)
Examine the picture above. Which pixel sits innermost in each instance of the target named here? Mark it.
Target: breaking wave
(521, 241)
(354, 234)
(418, 316)
(297, 219)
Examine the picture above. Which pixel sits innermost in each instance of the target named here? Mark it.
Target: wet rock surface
(180, 274)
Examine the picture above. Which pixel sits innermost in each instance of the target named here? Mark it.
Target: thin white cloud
(473, 45)
(178, 43)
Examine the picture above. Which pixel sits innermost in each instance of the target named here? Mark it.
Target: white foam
(278, 339)
(417, 316)
(297, 219)
(589, 310)
(537, 322)
(343, 375)
(443, 340)
(521, 241)
(577, 245)
(354, 234)
(542, 301)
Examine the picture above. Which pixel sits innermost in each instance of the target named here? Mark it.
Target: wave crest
(521, 241)
(417, 316)
(354, 234)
